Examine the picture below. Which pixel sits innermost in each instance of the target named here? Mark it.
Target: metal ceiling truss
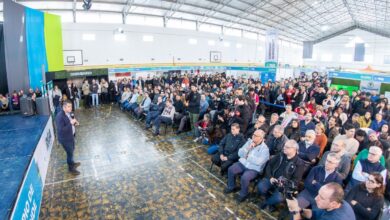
(299, 20)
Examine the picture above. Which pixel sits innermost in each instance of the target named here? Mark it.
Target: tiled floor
(129, 174)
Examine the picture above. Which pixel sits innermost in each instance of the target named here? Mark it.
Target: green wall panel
(53, 40)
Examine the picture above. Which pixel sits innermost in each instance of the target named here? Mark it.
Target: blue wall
(35, 41)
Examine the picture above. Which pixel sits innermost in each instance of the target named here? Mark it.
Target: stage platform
(19, 138)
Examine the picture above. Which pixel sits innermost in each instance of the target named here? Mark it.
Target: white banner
(43, 150)
(28, 202)
(271, 47)
(369, 86)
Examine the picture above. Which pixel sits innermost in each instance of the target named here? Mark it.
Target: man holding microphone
(65, 123)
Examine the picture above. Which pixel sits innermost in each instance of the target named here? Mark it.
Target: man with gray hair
(253, 157)
(338, 147)
(276, 140)
(319, 176)
(286, 165)
(364, 167)
(308, 150)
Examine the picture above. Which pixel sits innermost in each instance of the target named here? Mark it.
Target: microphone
(72, 115)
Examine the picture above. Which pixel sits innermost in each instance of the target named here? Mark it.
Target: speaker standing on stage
(65, 123)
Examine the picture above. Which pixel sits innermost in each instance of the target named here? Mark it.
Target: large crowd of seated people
(324, 151)
(290, 134)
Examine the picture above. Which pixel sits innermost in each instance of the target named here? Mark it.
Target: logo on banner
(48, 139)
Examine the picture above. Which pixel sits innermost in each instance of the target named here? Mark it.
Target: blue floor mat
(19, 137)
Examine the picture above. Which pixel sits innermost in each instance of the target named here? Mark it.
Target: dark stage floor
(129, 174)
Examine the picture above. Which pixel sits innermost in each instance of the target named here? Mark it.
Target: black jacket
(193, 103)
(364, 200)
(64, 129)
(293, 133)
(293, 171)
(275, 145)
(230, 145)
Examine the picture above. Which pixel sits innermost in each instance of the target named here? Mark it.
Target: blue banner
(30, 195)
(265, 76)
(36, 50)
(360, 76)
(189, 68)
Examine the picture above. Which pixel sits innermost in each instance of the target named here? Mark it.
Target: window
(369, 58)
(285, 44)
(261, 37)
(238, 46)
(226, 44)
(87, 17)
(211, 42)
(66, 17)
(250, 35)
(89, 37)
(145, 20)
(386, 59)
(182, 24)
(1, 17)
(110, 18)
(345, 58)
(232, 32)
(192, 41)
(210, 28)
(148, 38)
(326, 57)
(120, 37)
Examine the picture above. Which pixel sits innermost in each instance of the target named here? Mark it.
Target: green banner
(350, 89)
(53, 41)
(76, 74)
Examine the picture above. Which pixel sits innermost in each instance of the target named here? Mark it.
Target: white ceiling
(299, 20)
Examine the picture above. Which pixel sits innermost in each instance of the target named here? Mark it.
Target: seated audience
(253, 157)
(306, 124)
(319, 176)
(352, 145)
(344, 166)
(293, 131)
(366, 199)
(228, 149)
(308, 150)
(166, 117)
(286, 165)
(364, 167)
(330, 205)
(276, 140)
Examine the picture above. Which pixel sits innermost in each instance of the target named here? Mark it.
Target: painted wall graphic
(53, 41)
(33, 45)
(15, 46)
(36, 52)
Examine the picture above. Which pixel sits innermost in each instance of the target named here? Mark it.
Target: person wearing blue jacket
(308, 151)
(65, 125)
(378, 122)
(319, 176)
(307, 124)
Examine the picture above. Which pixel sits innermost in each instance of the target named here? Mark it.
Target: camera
(288, 187)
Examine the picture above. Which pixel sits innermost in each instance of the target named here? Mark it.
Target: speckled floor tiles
(126, 173)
